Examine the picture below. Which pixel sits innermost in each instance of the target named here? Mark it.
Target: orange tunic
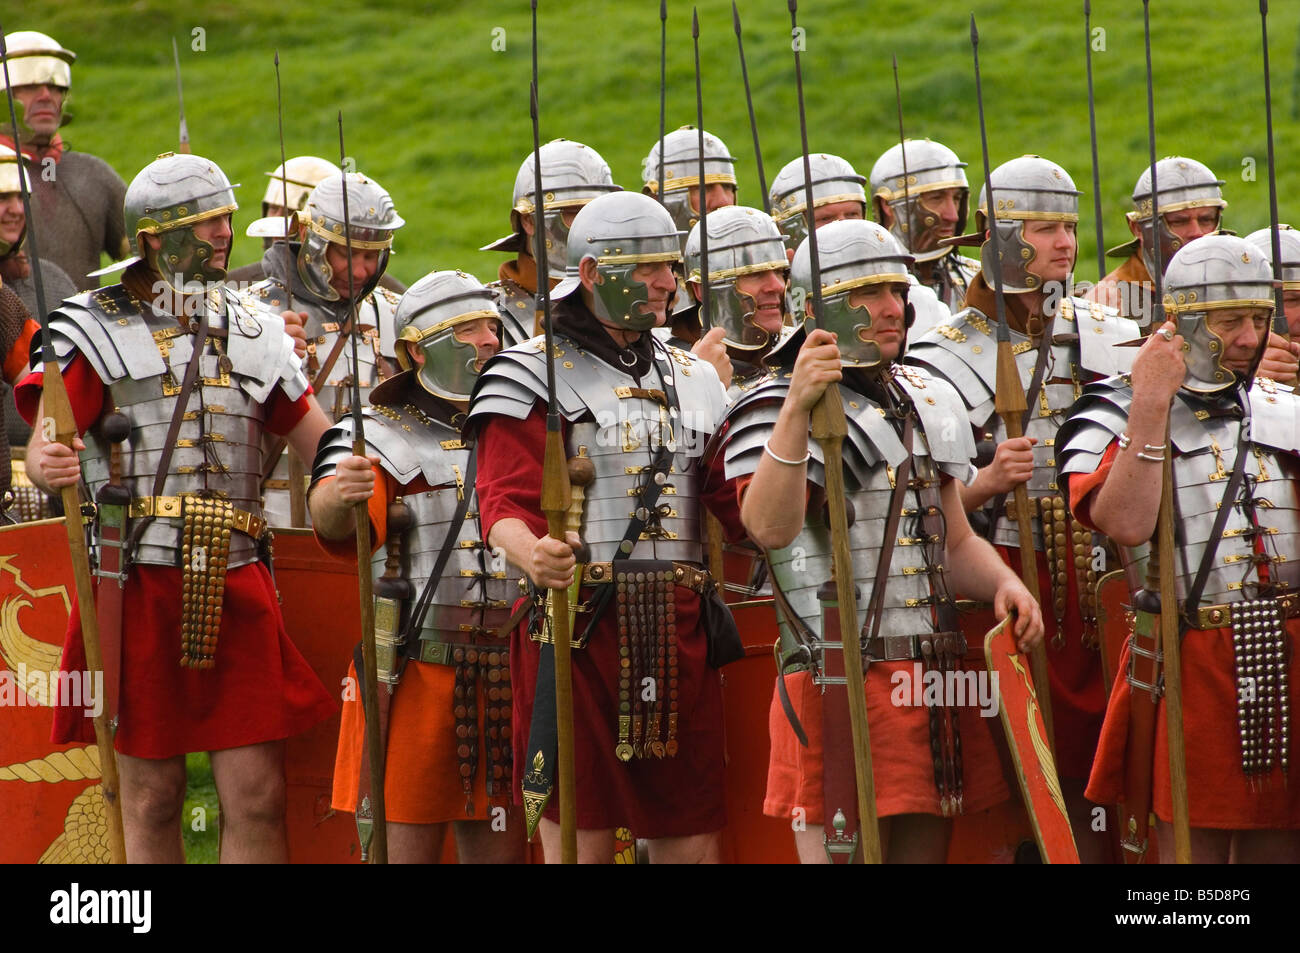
(900, 750)
(422, 778)
(1219, 796)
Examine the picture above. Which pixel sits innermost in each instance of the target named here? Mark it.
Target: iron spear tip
(974, 31)
(735, 17)
(895, 62)
(663, 9)
(794, 6)
(1263, 7)
(695, 22)
(534, 6)
(277, 59)
(1087, 8)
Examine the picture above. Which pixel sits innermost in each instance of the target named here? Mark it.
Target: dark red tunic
(669, 797)
(261, 688)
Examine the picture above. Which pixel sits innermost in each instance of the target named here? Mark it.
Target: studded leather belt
(1216, 617)
(686, 575)
(173, 507)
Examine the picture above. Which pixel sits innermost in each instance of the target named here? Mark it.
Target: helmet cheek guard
(430, 315)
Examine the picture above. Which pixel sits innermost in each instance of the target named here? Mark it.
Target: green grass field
(440, 118)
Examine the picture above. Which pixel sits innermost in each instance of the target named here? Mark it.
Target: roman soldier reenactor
(1191, 206)
(1280, 357)
(902, 456)
(635, 418)
(79, 206)
(680, 194)
(313, 280)
(747, 297)
(922, 207)
(174, 382)
(448, 757)
(1060, 343)
(837, 195)
(17, 329)
(1189, 399)
(572, 175)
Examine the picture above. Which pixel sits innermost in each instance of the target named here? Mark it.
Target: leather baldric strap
(876, 605)
(1226, 505)
(411, 632)
(174, 426)
(653, 479)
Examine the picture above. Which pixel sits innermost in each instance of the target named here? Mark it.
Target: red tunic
(1218, 793)
(261, 688)
(421, 770)
(669, 797)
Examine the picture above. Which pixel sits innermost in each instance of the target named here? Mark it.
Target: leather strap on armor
(174, 425)
(1226, 505)
(411, 631)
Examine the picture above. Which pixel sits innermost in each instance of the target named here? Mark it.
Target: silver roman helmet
(681, 149)
(9, 184)
(1213, 273)
(833, 180)
(1184, 183)
(294, 179)
(372, 217)
(296, 176)
(429, 314)
(1288, 242)
(167, 199)
(852, 254)
(37, 60)
(742, 241)
(1027, 189)
(931, 167)
(620, 231)
(572, 175)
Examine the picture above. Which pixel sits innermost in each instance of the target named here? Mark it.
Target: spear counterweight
(1009, 403)
(59, 418)
(829, 427)
(370, 700)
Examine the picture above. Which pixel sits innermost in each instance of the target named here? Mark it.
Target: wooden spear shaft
(1173, 670)
(365, 581)
(60, 423)
(1010, 405)
(58, 408)
(829, 428)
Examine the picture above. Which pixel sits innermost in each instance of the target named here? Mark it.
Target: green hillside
(440, 118)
